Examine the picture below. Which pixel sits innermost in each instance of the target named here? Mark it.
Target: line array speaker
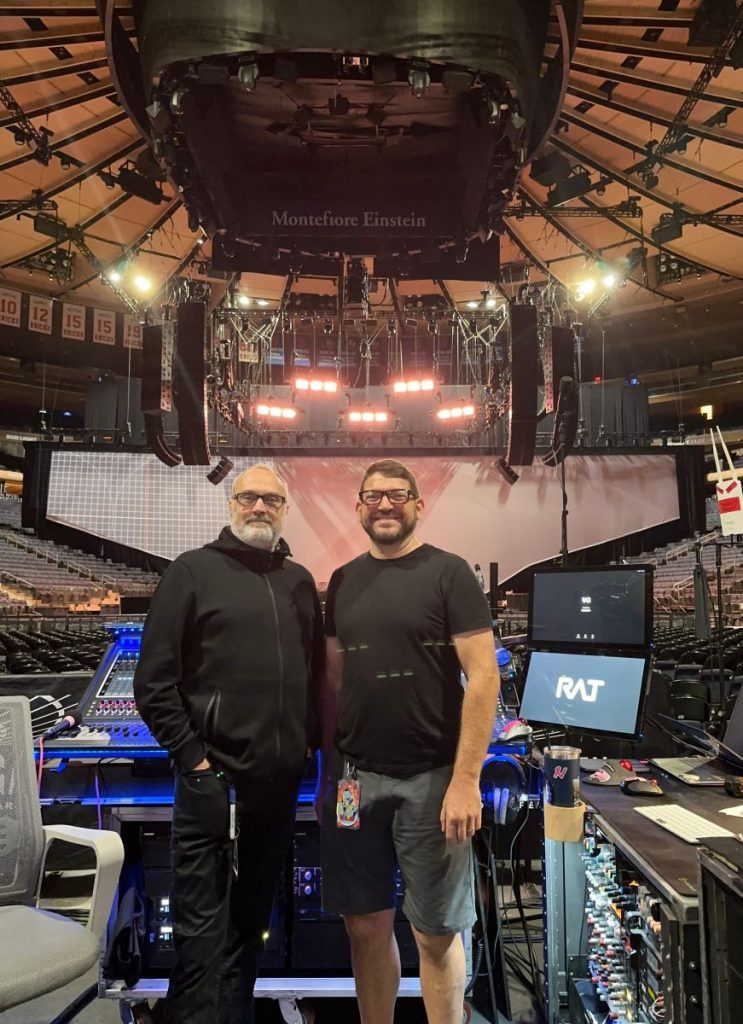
(522, 431)
(190, 383)
(558, 363)
(151, 394)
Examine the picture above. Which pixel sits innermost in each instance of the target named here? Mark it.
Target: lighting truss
(629, 208)
(711, 70)
(10, 206)
(24, 130)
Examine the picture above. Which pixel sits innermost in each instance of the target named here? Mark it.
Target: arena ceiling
(632, 70)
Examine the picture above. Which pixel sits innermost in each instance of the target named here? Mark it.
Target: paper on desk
(734, 812)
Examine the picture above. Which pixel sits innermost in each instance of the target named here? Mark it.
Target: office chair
(41, 951)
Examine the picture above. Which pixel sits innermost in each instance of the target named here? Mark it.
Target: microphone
(70, 721)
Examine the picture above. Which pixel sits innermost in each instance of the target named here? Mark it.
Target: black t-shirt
(401, 696)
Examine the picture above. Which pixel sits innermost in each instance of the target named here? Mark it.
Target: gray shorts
(399, 825)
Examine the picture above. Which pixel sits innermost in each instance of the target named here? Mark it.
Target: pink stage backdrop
(135, 500)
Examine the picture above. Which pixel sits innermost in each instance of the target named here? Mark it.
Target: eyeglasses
(396, 497)
(247, 499)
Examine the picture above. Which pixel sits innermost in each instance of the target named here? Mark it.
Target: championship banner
(39, 314)
(729, 493)
(10, 307)
(73, 321)
(104, 327)
(132, 333)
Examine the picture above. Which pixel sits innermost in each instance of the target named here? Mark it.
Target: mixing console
(110, 718)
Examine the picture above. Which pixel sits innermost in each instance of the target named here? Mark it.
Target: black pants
(219, 920)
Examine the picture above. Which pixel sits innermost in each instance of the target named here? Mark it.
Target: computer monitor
(597, 693)
(594, 607)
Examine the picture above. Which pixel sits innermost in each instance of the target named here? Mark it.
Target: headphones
(504, 787)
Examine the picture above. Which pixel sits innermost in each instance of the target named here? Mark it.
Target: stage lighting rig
(367, 418)
(457, 411)
(270, 409)
(415, 386)
(315, 385)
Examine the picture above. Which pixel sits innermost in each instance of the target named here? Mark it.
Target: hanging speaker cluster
(189, 386)
(155, 393)
(522, 432)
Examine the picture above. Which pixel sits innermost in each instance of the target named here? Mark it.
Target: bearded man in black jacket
(231, 650)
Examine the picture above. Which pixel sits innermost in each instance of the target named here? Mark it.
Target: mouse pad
(604, 777)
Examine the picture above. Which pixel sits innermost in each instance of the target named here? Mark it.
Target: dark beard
(406, 528)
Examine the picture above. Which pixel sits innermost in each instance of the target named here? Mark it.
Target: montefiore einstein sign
(370, 221)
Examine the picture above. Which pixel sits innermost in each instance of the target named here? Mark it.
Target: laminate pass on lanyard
(348, 800)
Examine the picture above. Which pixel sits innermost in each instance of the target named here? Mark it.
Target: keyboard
(685, 824)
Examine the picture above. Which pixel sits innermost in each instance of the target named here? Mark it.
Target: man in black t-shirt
(402, 622)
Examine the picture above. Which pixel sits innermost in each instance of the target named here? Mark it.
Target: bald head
(258, 478)
(257, 512)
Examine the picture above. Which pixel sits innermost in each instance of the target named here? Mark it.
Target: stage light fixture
(708, 411)
(472, 304)
(414, 386)
(243, 300)
(113, 275)
(247, 75)
(367, 418)
(142, 283)
(136, 184)
(456, 413)
(316, 385)
(570, 188)
(261, 302)
(609, 280)
(419, 79)
(271, 410)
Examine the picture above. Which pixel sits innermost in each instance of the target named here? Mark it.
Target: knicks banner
(729, 493)
(39, 314)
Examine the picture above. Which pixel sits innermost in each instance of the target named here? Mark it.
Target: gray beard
(257, 534)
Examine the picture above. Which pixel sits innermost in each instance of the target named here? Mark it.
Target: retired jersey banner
(39, 314)
(132, 333)
(10, 307)
(104, 327)
(729, 493)
(73, 321)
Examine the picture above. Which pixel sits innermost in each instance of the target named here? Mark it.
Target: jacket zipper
(281, 668)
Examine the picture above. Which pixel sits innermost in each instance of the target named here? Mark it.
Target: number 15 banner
(73, 321)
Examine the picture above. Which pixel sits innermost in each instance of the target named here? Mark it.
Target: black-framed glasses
(395, 497)
(248, 499)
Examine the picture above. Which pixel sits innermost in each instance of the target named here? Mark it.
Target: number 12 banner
(39, 314)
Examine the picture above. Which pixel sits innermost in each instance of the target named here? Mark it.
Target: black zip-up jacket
(231, 650)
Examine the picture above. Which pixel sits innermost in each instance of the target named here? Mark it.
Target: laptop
(723, 758)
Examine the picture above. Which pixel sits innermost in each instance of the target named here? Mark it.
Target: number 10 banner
(10, 307)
